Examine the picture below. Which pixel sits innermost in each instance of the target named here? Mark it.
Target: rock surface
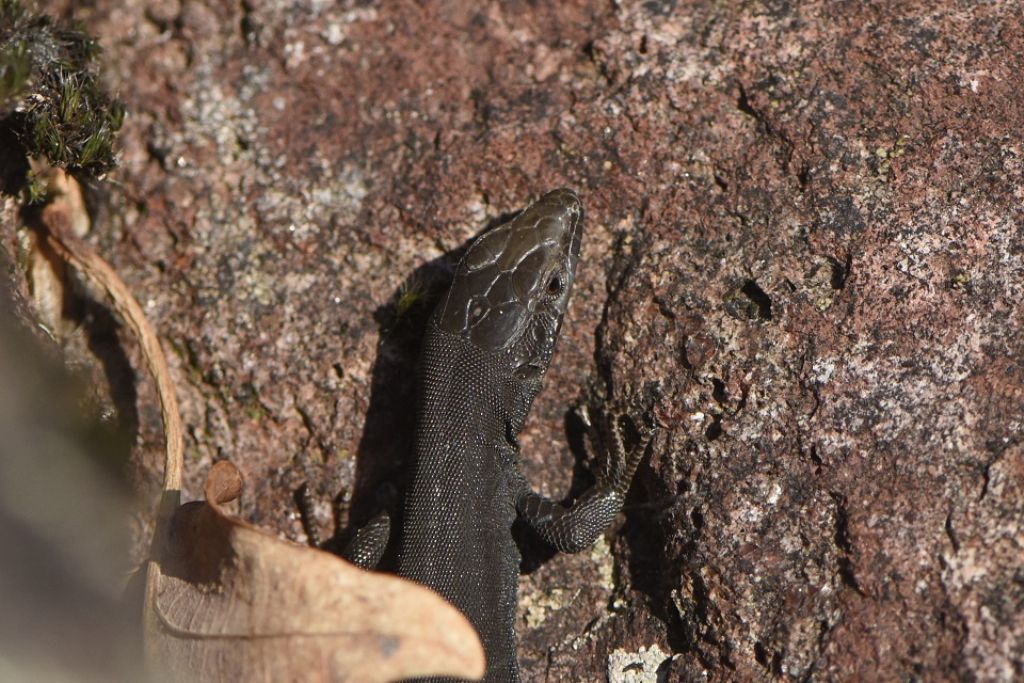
(804, 222)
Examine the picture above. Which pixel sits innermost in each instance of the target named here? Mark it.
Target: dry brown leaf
(46, 270)
(236, 603)
(63, 218)
(226, 601)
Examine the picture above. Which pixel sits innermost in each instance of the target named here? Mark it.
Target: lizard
(485, 353)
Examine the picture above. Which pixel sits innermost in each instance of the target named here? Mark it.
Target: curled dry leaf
(226, 601)
(235, 603)
(45, 269)
(62, 219)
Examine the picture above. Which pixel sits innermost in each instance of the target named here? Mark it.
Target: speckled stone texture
(804, 221)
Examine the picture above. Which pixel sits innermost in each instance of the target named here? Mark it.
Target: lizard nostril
(555, 285)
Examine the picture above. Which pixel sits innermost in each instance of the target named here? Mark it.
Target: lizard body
(485, 353)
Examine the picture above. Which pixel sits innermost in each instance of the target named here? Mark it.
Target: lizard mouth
(529, 371)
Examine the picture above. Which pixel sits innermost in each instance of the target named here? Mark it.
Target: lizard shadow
(653, 548)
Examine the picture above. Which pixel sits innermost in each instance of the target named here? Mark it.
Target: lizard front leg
(575, 528)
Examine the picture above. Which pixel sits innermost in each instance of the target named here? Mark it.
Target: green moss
(408, 308)
(35, 188)
(51, 100)
(15, 67)
(410, 294)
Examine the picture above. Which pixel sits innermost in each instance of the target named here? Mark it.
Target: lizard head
(512, 287)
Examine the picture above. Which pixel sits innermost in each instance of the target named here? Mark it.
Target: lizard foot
(364, 546)
(305, 502)
(620, 431)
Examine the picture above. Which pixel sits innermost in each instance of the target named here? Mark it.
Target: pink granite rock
(804, 221)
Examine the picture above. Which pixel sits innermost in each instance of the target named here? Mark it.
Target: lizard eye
(555, 285)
